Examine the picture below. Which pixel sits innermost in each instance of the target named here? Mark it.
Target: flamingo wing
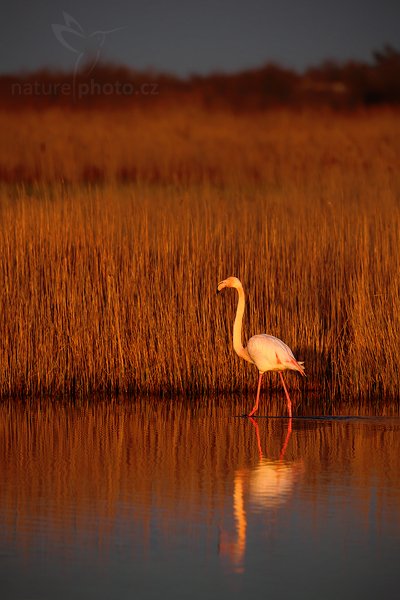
(271, 354)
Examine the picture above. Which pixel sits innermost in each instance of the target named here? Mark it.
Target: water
(146, 499)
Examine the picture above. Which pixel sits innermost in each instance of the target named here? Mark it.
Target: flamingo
(267, 352)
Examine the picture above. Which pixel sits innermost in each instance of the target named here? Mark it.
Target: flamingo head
(231, 282)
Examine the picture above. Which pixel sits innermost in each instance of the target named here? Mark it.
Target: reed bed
(116, 227)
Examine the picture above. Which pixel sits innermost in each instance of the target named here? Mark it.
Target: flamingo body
(267, 352)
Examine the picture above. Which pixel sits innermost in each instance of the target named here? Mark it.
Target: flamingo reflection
(262, 488)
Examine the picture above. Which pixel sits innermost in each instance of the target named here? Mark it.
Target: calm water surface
(172, 499)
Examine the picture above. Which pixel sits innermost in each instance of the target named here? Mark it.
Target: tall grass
(111, 287)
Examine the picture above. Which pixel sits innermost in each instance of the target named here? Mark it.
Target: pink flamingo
(267, 352)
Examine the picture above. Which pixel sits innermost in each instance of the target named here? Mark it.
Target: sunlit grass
(111, 287)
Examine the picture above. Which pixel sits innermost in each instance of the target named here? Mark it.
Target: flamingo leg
(289, 402)
(255, 407)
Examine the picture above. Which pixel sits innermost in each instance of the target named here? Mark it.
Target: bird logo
(87, 46)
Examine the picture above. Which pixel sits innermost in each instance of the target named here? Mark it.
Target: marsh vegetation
(117, 225)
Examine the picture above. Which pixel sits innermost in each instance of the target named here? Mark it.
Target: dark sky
(191, 36)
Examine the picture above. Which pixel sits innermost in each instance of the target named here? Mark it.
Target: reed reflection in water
(141, 498)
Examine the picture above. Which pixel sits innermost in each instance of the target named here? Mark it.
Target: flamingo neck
(237, 328)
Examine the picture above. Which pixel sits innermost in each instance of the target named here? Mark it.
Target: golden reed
(116, 227)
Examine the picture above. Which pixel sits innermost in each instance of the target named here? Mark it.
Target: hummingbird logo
(86, 46)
